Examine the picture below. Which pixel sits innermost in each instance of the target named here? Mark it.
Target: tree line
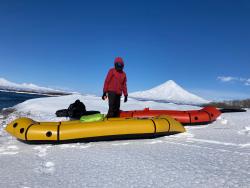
(232, 104)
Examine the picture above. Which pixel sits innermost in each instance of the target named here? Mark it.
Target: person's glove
(104, 96)
(125, 98)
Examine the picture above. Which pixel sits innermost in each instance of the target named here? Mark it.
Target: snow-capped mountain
(169, 92)
(6, 85)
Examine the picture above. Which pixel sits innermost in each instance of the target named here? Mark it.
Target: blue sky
(72, 44)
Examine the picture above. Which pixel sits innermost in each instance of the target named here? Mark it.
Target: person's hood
(119, 60)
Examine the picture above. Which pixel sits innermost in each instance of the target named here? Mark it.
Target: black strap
(26, 133)
(169, 124)
(58, 131)
(209, 115)
(154, 126)
(190, 121)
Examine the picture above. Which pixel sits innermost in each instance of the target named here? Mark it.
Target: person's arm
(106, 83)
(124, 89)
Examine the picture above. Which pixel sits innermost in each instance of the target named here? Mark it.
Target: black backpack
(75, 111)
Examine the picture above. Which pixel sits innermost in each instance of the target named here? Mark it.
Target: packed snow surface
(169, 92)
(214, 155)
(27, 87)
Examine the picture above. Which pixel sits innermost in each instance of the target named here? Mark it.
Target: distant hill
(169, 92)
(6, 85)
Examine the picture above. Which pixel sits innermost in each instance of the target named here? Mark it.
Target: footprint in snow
(42, 150)
(224, 121)
(46, 168)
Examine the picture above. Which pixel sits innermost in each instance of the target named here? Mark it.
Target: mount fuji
(169, 92)
(6, 85)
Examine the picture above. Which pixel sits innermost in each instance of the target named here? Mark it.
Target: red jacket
(116, 82)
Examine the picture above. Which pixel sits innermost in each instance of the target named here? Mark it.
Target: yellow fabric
(70, 130)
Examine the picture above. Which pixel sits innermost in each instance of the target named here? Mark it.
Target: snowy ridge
(6, 85)
(49, 105)
(169, 92)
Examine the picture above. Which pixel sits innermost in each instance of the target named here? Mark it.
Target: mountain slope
(169, 92)
(28, 88)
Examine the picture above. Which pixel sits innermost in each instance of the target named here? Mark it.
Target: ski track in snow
(214, 155)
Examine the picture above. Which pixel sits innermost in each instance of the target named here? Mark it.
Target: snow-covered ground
(214, 155)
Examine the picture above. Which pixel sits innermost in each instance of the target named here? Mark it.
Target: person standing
(115, 84)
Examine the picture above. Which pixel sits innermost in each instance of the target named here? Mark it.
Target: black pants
(114, 104)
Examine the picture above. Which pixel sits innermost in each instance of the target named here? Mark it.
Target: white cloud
(242, 79)
(226, 78)
(245, 81)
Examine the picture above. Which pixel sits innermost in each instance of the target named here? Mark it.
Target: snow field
(214, 155)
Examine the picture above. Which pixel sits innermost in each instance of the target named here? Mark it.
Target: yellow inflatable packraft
(26, 129)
